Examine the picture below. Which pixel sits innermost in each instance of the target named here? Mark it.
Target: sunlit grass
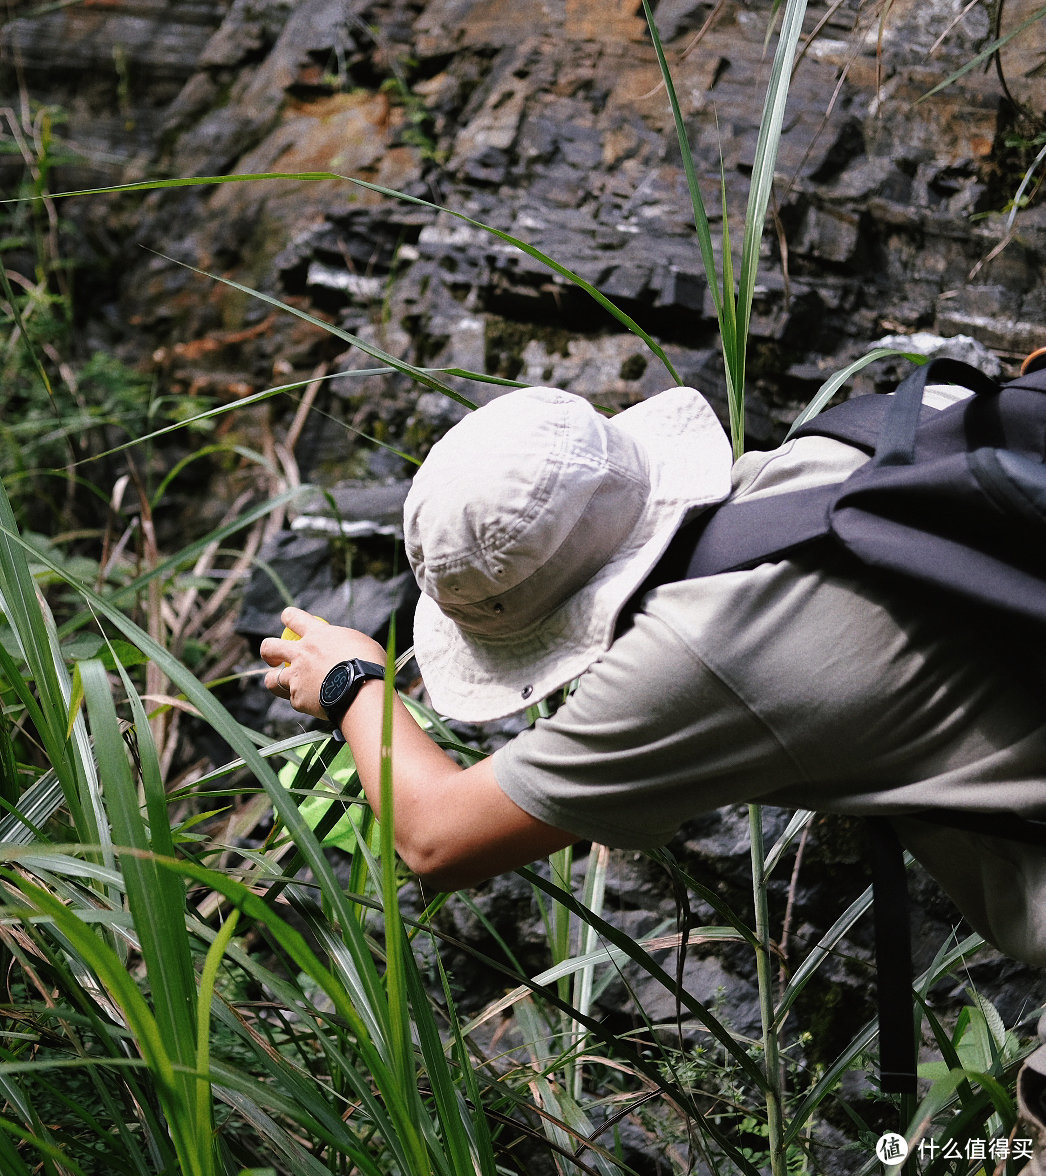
(183, 1002)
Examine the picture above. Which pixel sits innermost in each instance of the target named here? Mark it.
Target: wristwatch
(342, 684)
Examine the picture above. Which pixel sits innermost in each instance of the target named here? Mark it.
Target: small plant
(419, 130)
(63, 408)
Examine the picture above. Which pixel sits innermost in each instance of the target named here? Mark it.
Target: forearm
(421, 771)
(453, 826)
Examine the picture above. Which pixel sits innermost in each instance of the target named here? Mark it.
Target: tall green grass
(179, 1003)
(212, 1020)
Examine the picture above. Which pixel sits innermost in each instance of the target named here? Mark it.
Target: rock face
(548, 121)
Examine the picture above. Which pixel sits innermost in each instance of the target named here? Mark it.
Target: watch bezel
(330, 693)
(349, 675)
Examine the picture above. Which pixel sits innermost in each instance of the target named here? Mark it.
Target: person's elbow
(463, 857)
(459, 830)
(439, 865)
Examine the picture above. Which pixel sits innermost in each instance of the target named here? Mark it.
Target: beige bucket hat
(531, 524)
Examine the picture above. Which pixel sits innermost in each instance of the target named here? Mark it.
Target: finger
(276, 651)
(300, 621)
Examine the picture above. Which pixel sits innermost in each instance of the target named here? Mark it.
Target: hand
(321, 647)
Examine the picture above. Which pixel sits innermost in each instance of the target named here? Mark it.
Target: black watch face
(334, 685)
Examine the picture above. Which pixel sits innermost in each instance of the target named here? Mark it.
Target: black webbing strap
(891, 918)
(743, 534)
(897, 439)
(774, 526)
(893, 959)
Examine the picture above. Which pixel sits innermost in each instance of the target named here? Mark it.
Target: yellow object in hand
(289, 634)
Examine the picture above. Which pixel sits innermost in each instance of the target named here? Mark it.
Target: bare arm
(453, 826)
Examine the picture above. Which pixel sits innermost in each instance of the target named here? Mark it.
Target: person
(536, 529)
(532, 528)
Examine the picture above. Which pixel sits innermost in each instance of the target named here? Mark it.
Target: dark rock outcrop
(549, 122)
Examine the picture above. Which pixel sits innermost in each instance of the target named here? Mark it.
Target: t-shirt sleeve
(650, 738)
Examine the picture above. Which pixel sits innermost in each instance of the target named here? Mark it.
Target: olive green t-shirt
(796, 684)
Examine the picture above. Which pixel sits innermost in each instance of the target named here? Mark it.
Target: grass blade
(829, 388)
(575, 279)
(820, 952)
(155, 898)
(121, 987)
(643, 958)
(987, 53)
(63, 736)
(704, 233)
(759, 192)
(203, 1017)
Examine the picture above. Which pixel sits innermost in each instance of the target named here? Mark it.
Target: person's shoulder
(803, 462)
(812, 460)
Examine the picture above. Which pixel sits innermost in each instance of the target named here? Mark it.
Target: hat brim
(481, 679)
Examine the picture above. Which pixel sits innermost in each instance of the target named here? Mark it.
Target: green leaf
(46, 690)
(704, 232)
(110, 970)
(320, 800)
(832, 385)
(156, 900)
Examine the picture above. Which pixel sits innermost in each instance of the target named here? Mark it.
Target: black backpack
(951, 501)
(952, 498)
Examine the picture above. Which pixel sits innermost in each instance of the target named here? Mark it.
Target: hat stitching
(564, 542)
(492, 545)
(539, 631)
(559, 427)
(536, 503)
(607, 465)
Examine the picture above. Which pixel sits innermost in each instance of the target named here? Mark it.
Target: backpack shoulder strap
(897, 440)
(742, 534)
(856, 422)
